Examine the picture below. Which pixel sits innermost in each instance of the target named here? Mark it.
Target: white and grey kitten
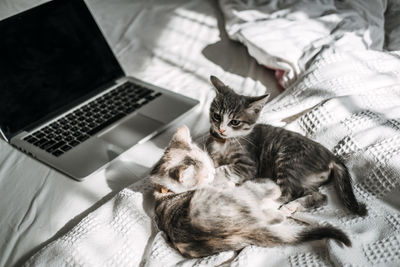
(242, 149)
(202, 219)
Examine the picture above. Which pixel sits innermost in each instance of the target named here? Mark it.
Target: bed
(338, 65)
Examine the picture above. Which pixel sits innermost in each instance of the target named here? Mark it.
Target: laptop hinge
(120, 79)
(3, 135)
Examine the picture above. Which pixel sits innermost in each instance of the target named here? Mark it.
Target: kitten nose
(221, 130)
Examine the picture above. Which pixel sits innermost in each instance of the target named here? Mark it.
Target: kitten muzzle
(217, 137)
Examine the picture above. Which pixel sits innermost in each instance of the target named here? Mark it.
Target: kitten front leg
(314, 199)
(221, 179)
(228, 172)
(237, 172)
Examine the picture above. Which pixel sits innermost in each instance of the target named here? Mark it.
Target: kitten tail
(322, 232)
(342, 182)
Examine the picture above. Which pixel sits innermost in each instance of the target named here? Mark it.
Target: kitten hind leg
(313, 200)
(289, 191)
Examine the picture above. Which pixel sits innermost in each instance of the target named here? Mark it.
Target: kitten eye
(234, 122)
(217, 117)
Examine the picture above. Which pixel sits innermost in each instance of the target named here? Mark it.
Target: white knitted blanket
(359, 121)
(353, 99)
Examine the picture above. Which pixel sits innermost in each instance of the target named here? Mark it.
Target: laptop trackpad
(131, 131)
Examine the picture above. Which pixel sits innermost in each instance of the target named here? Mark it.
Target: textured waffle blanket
(355, 101)
(348, 100)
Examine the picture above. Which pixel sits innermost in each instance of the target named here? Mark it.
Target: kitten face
(229, 117)
(184, 166)
(233, 115)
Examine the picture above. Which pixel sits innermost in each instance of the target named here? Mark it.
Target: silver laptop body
(74, 140)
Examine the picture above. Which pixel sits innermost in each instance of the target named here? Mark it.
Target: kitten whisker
(237, 141)
(247, 140)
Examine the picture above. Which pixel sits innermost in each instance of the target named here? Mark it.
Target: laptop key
(73, 143)
(47, 145)
(70, 116)
(77, 133)
(31, 139)
(64, 133)
(55, 146)
(46, 130)
(41, 142)
(91, 125)
(38, 135)
(85, 129)
(65, 148)
(78, 113)
(69, 138)
(106, 123)
(55, 125)
(82, 137)
(62, 121)
(99, 120)
(57, 153)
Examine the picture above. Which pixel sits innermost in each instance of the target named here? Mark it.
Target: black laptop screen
(50, 57)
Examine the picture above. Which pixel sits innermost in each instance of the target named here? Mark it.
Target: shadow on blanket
(230, 62)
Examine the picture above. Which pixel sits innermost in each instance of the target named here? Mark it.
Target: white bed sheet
(174, 44)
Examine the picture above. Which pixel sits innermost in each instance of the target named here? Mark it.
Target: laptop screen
(51, 56)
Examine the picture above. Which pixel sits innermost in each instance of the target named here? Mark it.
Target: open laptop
(64, 98)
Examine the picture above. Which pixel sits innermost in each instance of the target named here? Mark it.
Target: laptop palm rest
(131, 131)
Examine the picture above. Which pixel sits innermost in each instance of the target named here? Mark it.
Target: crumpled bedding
(287, 35)
(345, 97)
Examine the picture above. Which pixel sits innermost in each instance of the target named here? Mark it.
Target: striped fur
(201, 219)
(244, 149)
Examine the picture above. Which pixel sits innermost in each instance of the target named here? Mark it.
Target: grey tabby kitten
(201, 219)
(242, 150)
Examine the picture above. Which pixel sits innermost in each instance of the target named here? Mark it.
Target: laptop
(64, 98)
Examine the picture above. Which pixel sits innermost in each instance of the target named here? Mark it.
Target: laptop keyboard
(77, 126)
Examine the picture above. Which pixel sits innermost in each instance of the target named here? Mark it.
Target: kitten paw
(292, 207)
(220, 179)
(319, 200)
(276, 193)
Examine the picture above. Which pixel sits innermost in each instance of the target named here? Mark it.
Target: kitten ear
(182, 135)
(187, 174)
(218, 84)
(181, 173)
(257, 103)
